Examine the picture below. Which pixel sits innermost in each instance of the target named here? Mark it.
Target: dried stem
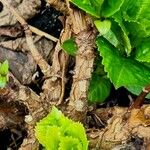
(54, 87)
(83, 71)
(41, 33)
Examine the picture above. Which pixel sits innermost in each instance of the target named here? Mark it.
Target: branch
(140, 99)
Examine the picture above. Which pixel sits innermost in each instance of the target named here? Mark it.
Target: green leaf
(92, 7)
(56, 131)
(136, 10)
(112, 38)
(119, 29)
(103, 26)
(136, 13)
(48, 136)
(52, 139)
(139, 29)
(70, 47)
(76, 130)
(4, 68)
(142, 52)
(99, 89)
(3, 81)
(52, 119)
(110, 7)
(69, 143)
(123, 71)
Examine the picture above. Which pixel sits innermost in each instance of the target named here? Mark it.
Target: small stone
(28, 118)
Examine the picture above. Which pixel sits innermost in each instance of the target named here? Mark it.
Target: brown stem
(140, 99)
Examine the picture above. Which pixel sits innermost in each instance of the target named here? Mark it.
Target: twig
(140, 99)
(62, 83)
(45, 68)
(41, 33)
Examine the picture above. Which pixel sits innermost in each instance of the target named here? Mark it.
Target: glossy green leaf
(4, 68)
(70, 47)
(103, 26)
(123, 71)
(137, 16)
(110, 7)
(92, 7)
(99, 89)
(136, 10)
(119, 29)
(142, 52)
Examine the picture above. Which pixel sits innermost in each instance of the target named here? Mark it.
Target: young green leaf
(70, 47)
(103, 26)
(4, 68)
(69, 143)
(56, 132)
(123, 71)
(92, 7)
(3, 81)
(99, 89)
(80, 135)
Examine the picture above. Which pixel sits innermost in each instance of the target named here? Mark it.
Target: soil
(48, 76)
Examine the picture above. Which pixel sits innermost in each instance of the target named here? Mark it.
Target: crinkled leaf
(76, 130)
(137, 16)
(92, 7)
(52, 138)
(110, 7)
(136, 10)
(123, 71)
(131, 8)
(69, 143)
(70, 47)
(52, 129)
(48, 137)
(40, 132)
(139, 29)
(53, 118)
(4, 68)
(99, 89)
(103, 26)
(142, 52)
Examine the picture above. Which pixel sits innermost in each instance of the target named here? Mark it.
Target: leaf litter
(21, 106)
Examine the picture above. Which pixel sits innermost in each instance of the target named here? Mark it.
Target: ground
(42, 75)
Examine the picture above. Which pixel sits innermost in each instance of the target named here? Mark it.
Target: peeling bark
(122, 126)
(36, 111)
(53, 87)
(83, 71)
